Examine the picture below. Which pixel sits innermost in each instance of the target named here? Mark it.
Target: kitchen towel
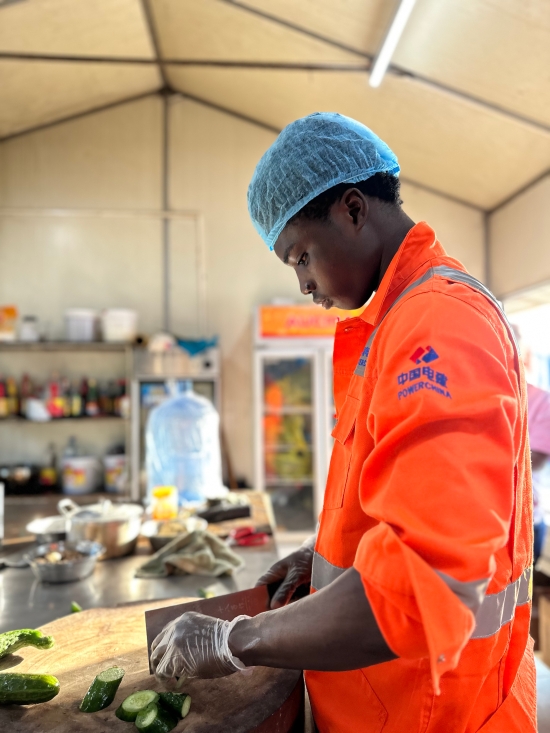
(193, 553)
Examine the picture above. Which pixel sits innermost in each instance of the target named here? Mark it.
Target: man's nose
(307, 286)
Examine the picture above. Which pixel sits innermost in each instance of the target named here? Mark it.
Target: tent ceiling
(466, 104)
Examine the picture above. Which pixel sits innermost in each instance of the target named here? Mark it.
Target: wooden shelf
(273, 483)
(289, 410)
(101, 346)
(55, 421)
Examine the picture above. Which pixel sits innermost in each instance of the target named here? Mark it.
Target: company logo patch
(424, 354)
(421, 377)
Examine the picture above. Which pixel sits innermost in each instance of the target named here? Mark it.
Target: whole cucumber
(27, 689)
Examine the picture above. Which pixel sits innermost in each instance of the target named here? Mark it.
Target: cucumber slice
(27, 689)
(102, 691)
(133, 704)
(155, 719)
(176, 702)
(75, 607)
(12, 641)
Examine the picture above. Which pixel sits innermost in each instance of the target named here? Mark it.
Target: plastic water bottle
(183, 446)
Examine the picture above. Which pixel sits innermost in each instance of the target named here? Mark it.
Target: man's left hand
(194, 646)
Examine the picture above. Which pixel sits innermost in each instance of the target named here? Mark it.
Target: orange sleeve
(440, 479)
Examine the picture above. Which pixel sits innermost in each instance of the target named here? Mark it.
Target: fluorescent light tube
(382, 61)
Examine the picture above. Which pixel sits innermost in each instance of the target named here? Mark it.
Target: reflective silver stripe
(498, 609)
(451, 274)
(324, 572)
(470, 593)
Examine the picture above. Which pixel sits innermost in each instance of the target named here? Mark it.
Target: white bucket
(81, 324)
(115, 467)
(119, 324)
(81, 475)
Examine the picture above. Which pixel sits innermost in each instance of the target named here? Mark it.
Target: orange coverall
(429, 498)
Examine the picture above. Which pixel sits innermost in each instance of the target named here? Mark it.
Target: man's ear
(357, 206)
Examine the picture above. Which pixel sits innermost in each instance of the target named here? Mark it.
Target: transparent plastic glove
(194, 646)
(294, 570)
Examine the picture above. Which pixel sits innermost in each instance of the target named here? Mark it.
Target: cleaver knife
(227, 607)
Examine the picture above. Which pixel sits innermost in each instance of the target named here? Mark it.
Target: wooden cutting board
(86, 643)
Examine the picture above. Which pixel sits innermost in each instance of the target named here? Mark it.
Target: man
(421, 563)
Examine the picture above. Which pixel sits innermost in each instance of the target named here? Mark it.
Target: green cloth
(193, 553)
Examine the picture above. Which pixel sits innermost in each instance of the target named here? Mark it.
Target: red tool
(248, 537)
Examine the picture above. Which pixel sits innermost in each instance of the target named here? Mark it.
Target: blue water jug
(183, 446)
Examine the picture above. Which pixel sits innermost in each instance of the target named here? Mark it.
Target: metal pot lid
(106, 511)
(48, 525)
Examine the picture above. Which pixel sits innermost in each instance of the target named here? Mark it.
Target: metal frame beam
(151, 27)
(78, 115)
(277, 66)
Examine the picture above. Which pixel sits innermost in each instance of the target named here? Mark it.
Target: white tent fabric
(465, 104)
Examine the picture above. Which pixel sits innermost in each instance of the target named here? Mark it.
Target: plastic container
(119, 324)
(164, 502)
(8, 322)
(28, 330)
(80, 475)
(81, 324)
(115, 467)
(183, 446)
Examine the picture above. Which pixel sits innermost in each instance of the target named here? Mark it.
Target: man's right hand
(294, 570)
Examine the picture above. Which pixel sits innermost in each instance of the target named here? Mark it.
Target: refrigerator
(294, 409)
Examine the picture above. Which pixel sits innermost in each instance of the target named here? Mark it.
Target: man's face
(337, 261)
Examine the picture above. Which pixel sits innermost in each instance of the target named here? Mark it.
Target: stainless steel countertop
(27, 603)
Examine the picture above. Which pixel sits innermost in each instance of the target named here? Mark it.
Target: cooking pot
(115, 526)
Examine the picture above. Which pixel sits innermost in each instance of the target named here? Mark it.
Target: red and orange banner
(289, 321)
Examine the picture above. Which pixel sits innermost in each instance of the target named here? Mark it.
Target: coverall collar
(419, 246)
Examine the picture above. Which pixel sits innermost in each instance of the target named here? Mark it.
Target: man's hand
(194, 645)
(294, 570)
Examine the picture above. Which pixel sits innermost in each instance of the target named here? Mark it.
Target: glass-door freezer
(285, 431)
(293, 407)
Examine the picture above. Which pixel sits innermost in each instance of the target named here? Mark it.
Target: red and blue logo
(424, 354)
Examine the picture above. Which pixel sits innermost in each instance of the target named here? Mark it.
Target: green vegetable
(27, 689)
(75, 607)
(12, 641)
(134, 704)
(205, 593)
(102, 691)
(154, 719)
(176, 702)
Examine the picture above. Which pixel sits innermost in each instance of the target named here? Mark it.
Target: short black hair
(382, 186)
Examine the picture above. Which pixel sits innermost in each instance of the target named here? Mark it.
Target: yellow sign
(300, 320)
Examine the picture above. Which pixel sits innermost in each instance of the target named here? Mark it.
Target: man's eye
(303, 259)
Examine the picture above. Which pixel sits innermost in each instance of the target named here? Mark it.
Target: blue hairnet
(310, 156)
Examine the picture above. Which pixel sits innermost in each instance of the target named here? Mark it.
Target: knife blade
(227, 607)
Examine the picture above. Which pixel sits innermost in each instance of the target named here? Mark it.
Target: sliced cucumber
(27, 689)
(102, 691)
(134, 704)
(176, 702)
(12, 641)
(75, 607)
(154, 719)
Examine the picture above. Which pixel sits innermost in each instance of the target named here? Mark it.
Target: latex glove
(194, 646)
(294, 570)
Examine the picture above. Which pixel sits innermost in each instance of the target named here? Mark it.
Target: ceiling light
(382, 60)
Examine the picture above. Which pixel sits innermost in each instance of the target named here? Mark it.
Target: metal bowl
(65, 571)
